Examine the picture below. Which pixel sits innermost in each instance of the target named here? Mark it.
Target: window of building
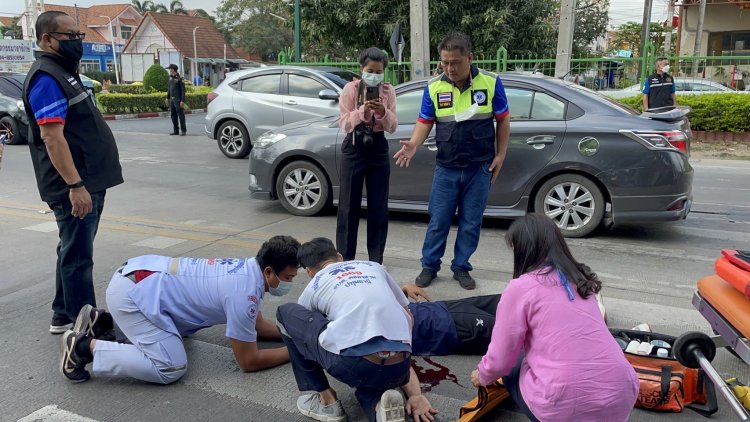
(126, 32)
(735, 43)
(90, 66)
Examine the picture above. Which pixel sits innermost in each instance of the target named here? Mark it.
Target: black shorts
(474, 318)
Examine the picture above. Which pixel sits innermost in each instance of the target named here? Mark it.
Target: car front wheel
(302, 188)
(9, 128)
(233, 139)
(573, 202)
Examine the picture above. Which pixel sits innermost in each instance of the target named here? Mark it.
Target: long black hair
(537, 242)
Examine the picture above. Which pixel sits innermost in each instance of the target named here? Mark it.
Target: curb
(714, 137)
(148, 115)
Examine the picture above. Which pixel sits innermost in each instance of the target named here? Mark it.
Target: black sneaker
(183, 134)
(173, 133)
(93, 322)
(464, 279)
(60, 324)
(425, 277)
(72, 366)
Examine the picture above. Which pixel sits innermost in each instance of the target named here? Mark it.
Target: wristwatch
(78, 184)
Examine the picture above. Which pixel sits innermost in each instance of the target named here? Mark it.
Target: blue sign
(624, 53)
(99, 49)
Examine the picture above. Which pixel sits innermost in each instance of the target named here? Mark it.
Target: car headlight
(20, 105)
(268, 139)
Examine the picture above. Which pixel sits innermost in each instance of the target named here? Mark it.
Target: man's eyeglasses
(71, 35)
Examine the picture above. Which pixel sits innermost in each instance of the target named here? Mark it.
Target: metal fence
(598, 73)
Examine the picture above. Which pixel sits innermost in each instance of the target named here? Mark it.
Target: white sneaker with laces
(310, 406)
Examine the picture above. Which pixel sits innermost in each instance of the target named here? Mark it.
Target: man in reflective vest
(463, 103)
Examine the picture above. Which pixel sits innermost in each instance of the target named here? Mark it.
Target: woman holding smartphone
(368, 110)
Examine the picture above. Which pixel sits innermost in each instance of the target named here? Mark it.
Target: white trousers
(154, 356)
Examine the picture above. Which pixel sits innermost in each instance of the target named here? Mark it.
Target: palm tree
(143, 6)
(176, 8)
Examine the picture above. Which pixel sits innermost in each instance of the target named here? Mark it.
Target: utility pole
(565, 38)
(419, 20)
(297, 33)
(699, 35)
(645, 35)
(668, 34)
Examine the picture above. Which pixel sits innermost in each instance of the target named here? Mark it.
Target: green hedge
(130, 89)
(711, 112)
(141, 103)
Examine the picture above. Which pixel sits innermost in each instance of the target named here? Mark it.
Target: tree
(176, 8)
(628, 37)
(143, 6)
(522, 26)
(251, 24)
(592, 17)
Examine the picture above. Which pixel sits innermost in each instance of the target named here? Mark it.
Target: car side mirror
(328, 94)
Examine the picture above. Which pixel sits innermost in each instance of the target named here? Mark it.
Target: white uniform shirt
(201, 293)
(361, 300)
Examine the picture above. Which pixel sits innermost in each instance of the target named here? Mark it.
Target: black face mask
(71, 49)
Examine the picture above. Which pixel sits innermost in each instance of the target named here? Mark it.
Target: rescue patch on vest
(667, 79)
(479, 97)
(445, 99)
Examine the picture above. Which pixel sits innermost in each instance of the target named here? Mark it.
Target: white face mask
(665, 69)
(467, 114)
(373, 79)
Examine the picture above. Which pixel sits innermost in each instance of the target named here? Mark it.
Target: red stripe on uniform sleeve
(425, 121)
(501, 115)
(47, 120)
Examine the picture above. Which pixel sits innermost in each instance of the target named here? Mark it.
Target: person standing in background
(368, 110)
(176, 99)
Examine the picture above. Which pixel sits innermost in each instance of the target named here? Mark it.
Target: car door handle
(430, 144)
(290, 102)
(541, 140)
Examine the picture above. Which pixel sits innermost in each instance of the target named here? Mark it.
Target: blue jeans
(513, 385)
(310, 359)
(463, 189)
(74, 282)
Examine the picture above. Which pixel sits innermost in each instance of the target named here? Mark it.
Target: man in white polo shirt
(157, 300)
(351, 321)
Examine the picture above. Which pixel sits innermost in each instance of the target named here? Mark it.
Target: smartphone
(373, 93)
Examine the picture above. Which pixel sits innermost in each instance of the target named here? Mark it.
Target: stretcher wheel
(693, 341)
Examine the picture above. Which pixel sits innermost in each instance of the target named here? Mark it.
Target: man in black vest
(176, 99)
(659, 89)
(75, 159)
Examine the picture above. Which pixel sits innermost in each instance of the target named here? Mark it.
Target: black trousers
(474, 318)
(369, 166)
(177, 112)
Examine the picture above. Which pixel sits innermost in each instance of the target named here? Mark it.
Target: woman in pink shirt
(368, 109)
(550, 344)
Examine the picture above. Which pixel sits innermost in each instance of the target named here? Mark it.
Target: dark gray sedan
(578, 157)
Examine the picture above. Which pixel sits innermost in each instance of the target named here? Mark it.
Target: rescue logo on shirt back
(479, 97)
(445, 100)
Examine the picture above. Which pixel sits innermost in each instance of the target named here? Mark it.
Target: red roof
(90, 16)
(178, 29)
(6, 21)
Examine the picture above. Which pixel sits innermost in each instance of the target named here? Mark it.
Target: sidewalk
(148, 114)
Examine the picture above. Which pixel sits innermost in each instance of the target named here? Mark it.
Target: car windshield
(340, 77)
(603, 99)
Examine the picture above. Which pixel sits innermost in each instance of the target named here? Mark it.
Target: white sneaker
(390, 408)
(310, 406)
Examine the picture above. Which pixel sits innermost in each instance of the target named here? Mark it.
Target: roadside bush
(130, 89)
(156, 77)
(199, 89)
(100, 76)
(711, 112)
(142, 103)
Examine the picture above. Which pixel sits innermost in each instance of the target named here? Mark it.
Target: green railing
(599, 73)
